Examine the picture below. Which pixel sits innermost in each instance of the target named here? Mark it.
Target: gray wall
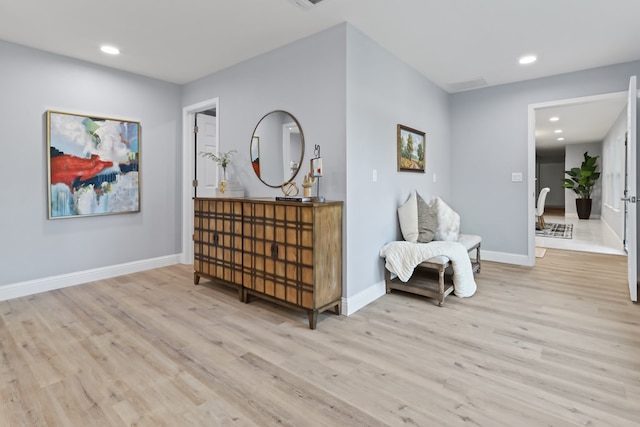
(489, 142)
(348, 94)
(550, 174)
(574, 156)
(305, 78)
(383, 92)
(31, 82)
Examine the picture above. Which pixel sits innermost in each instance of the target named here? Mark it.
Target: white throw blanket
(402, 258)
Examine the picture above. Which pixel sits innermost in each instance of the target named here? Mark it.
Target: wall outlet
(516, 177)
(374, 175)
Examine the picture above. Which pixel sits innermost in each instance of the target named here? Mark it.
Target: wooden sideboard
(286, 252)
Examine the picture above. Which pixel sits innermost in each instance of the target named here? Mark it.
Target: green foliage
(581, 180)
(410, 146)
(222, 159)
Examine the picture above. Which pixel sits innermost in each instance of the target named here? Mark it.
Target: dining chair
(542, 197)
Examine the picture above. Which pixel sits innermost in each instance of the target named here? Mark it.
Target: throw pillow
(408, 218)
(448, 222)
(427, 221)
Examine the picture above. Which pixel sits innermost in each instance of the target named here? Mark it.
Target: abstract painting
(93, 165)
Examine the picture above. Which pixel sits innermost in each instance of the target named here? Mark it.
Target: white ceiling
(451, 42)
(580, 122)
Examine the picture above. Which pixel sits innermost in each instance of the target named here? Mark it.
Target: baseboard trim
(350, 305)
(505, 258)
(31, 287)
(354, 303)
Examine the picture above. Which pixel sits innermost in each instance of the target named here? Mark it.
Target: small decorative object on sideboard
(307, 184)
(290, 189)
(315, 165)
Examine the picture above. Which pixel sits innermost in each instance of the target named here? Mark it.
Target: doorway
(569, 127)
(189, 161)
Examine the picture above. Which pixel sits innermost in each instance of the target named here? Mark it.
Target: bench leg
(387, 280)
(441, 285)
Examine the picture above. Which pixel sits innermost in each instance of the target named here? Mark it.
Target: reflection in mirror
(277, 148)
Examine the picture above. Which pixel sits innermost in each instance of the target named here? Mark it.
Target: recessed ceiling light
(560, 139)
(111, 50)
(528, 59)
(557, 131)
(554, 119)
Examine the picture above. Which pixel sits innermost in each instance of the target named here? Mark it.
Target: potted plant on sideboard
(582, 180)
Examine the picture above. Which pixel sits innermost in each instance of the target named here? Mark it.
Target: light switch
(516, 177)
(374, 175)
(434, 177)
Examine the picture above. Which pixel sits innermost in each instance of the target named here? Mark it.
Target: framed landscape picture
(411, 149)
(93, 165)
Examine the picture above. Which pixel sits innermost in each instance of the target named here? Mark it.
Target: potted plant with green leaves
(582, 180)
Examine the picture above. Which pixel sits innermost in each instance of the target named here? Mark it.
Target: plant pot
(583, 206)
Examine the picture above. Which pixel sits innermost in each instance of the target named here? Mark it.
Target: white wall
(34, 247)
(490, 141)
(574, 156)
(613, 157)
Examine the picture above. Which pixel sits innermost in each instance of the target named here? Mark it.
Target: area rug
(540, 252)
(552, 229)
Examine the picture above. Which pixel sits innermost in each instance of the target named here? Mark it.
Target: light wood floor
(556, 345)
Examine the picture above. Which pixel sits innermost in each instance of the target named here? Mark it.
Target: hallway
(591, 235)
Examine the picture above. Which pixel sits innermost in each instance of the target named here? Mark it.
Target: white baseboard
(30, 287)
(504, 257)
(354, 303)
(349, 305)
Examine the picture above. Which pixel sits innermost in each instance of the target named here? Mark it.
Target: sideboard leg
(338, 308)
(196, 278)
(313, 319)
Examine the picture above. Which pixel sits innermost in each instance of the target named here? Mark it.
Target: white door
(206, 142)
(630, 240)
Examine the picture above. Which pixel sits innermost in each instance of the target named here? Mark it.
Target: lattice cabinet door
(279, 262)
(218, 240)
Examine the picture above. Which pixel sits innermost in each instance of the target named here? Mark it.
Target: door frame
(188, 171)
(531, 155)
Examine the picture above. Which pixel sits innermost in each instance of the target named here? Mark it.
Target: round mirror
(277, 148)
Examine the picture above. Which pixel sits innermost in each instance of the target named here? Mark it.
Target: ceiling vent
(306, 4)
(467, 85)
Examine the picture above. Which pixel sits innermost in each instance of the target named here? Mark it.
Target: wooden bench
(422, 283)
